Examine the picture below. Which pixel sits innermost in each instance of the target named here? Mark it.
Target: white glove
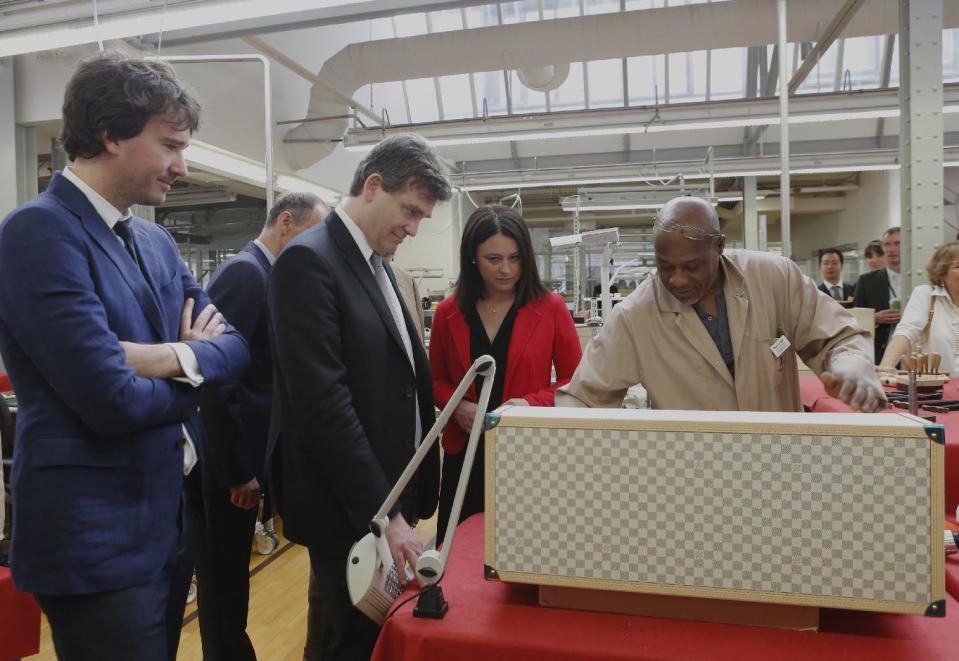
(851, 378)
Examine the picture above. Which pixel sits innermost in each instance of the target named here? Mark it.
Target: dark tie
(124, 230)
(836, 292)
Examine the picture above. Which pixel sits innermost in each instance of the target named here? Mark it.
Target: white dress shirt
(270, 257)
(895, 284)
(830, 285)
(188, 362)
(358, 237)
(944, 330)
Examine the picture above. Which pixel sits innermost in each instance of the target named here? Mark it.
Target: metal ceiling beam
(643, 159)
(921, 144)
(752, 135)
(833, 30)
(329, 13)
(627, 34)
(752, 72)
(772, 76)
(620, 121)
(885, 76)
(692, 168)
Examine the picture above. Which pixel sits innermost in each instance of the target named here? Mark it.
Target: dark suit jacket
(98, 473)
(344, 394)
(847, 290)
(236, 416)
(872, 291)
(543, 335)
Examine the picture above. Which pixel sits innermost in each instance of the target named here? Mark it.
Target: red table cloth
(493, 620)
(19, 620)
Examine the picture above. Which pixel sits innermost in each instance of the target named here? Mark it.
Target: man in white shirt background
(882, 291)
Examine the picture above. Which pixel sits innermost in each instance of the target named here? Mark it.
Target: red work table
(19, 621)
(493, 620)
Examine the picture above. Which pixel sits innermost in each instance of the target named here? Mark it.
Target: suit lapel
(737, 308)
(104, 237)
(527, 319)
(149, 261)
(884, 293)
(361, 269)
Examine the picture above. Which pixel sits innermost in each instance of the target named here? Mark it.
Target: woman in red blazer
(499, 307)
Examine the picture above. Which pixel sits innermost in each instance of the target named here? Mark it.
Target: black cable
(419, 593)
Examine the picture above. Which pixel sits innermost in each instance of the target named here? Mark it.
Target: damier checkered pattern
(832, 516)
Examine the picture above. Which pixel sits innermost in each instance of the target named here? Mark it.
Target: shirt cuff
(188, 363)
(189, 451)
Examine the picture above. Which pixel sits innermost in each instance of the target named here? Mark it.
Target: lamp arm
(478, 423)
(616, 273)
(484, 365)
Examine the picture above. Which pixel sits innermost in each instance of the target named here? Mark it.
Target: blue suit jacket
(98, 472)
(236, 416)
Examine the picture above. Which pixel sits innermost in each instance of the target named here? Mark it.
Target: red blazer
(543, 334)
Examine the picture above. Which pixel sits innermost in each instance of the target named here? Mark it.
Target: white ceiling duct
(552, 43)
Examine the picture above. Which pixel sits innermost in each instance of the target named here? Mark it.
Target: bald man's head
(688, 247)
(691, 212)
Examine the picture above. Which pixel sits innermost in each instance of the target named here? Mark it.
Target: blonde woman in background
(930, 322)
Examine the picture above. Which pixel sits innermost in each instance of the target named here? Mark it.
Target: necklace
(492, 307)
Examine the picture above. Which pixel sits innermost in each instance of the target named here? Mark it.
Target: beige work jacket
(653, 339)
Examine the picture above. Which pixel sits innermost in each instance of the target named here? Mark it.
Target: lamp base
(431, 604)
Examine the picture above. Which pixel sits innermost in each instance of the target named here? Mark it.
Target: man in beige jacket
(411, 297)
(720, 331)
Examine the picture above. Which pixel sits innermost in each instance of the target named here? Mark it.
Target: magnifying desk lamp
(370, 572)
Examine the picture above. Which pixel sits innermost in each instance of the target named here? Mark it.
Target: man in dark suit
(830, 267)
(882, 291)
(106, 335)
(353, 391)
(236, 422)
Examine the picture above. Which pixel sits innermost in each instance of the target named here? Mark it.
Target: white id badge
(779, 346)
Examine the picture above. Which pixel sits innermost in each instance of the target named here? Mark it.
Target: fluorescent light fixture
(719, 174)
(219, 161)
(240, 168)
(133, 24)
(198, 198)
(289, 183)
(615, 207)
(825, 169)
(591, 238)
(560, 182)
(644, 205)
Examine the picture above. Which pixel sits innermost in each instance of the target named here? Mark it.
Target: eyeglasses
(687, 231)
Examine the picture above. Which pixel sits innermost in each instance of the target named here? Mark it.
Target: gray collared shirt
(718, 329)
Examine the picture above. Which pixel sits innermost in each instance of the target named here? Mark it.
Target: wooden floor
(277, 621)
